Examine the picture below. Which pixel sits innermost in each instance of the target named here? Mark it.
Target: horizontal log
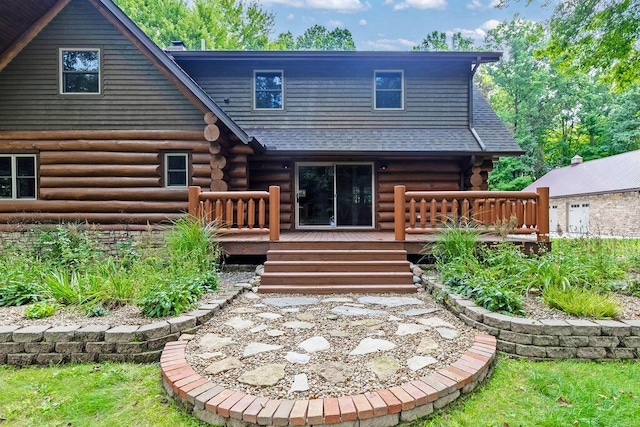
(74, 206)
(509, 195)
(420, 186)
(210, 118)
(129, 146)
(402, 179)
(234, 195)
(21, 226)
(100, 170)
(146, 193)
(286, 207)
(200, 158)
(104, 218)
(201, 170)
(271, 178)
(211, 133)
(238, 183)
(237, 171)
(115, 182)
(241, 149)
(237, 159)
(102, 134)
(201, 182)
(98, 158)
(410, 166)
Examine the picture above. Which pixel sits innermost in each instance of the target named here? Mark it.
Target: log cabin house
(332, 152)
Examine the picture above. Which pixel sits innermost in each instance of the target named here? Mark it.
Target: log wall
(102, 179)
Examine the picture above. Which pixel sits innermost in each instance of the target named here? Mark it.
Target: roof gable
(607, 175)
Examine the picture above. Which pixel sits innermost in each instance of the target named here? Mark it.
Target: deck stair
(336, 267)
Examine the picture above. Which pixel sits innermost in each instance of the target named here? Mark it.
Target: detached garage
(598, 198)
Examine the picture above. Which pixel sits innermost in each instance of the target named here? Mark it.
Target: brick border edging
(214, 404)
(546, 339)
(42, 345)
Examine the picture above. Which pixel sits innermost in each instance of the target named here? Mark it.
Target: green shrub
(68, 246)
(41, 310)
(20, 293)
(95, 311)
(456, 243)
(67, 287)
(631, 288)
(581, 302)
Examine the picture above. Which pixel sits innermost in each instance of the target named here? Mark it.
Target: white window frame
(167, 170)
(14, 176)
(61, 70)
(254, 97)
(375, 90)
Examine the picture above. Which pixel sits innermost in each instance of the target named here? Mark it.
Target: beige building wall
(611, 214)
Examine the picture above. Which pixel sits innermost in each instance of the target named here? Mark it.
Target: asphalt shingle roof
(609, 174)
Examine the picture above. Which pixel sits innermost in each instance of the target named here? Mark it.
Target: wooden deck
(259, 244)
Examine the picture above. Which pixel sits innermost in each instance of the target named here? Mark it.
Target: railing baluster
(454, 211)
(251, 217)
(443, 211)
(433, 212)
(229, 214)
(412, 213)
(423, 213)
(465, 211)
(219, 212)
(261, 213)
(240, 213)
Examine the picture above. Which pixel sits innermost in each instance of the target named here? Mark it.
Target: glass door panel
(354, 196)
(314, 195)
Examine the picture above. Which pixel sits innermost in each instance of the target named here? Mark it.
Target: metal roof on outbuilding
(612, 174)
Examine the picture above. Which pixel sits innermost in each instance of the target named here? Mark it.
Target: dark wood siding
(135, 94)
(339, 94)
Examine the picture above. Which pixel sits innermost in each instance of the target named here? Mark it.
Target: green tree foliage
(222, 24)
(437, 41)
(316, 37)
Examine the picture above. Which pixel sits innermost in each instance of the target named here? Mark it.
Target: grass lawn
(520, 393)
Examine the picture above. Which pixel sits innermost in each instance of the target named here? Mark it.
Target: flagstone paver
(371, 345)
(315, 344)
(254, 348)
(390, 301)
(266, 375)
(346, 310)
(289, 301)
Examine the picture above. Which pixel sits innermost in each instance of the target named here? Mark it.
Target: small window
(268, 90)
(18, 176)
(389, 90)
(176, 166)
(80, 71)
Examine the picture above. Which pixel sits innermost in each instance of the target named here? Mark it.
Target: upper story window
(268, 89)
(389, 90)
(176, 169)
(79, 71)
(18, 176)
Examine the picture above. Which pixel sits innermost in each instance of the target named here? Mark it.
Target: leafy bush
(41, 310)
(633, 287)
(20, 293)
(67, 246)
(581, 302)
(95, 311)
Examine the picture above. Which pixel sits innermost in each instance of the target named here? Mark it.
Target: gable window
(389, 90)
(80, 71)
(268, 90)
(176, 169)
(18, 176)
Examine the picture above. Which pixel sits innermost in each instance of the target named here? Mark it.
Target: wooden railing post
(194, 200)
(399, 211)
(543, 214)
(274, 212)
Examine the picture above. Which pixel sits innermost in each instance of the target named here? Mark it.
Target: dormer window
(268, 90)
(79, 71)
(389, 90)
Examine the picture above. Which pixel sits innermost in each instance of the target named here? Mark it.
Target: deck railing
(243, 212)
(510, 212)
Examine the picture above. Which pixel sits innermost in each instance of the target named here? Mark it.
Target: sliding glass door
(330, 195)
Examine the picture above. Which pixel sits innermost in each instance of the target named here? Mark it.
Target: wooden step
(351, 245)
(336, 255)
(337, 289)
(336, 266)
(335, 278)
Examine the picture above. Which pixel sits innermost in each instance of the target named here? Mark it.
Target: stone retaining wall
(214, 404)
(546, 339)
(43, 345)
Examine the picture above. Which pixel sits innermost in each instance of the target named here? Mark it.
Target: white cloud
(421, 4)
(490, 24)
(335, 24)
(332, 5)
(390, 44)
(362, 22)
(388, 2)
(478, 5)
(290, 17)
(477, 34)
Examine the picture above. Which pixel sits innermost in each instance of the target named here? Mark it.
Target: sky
(398, 24)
